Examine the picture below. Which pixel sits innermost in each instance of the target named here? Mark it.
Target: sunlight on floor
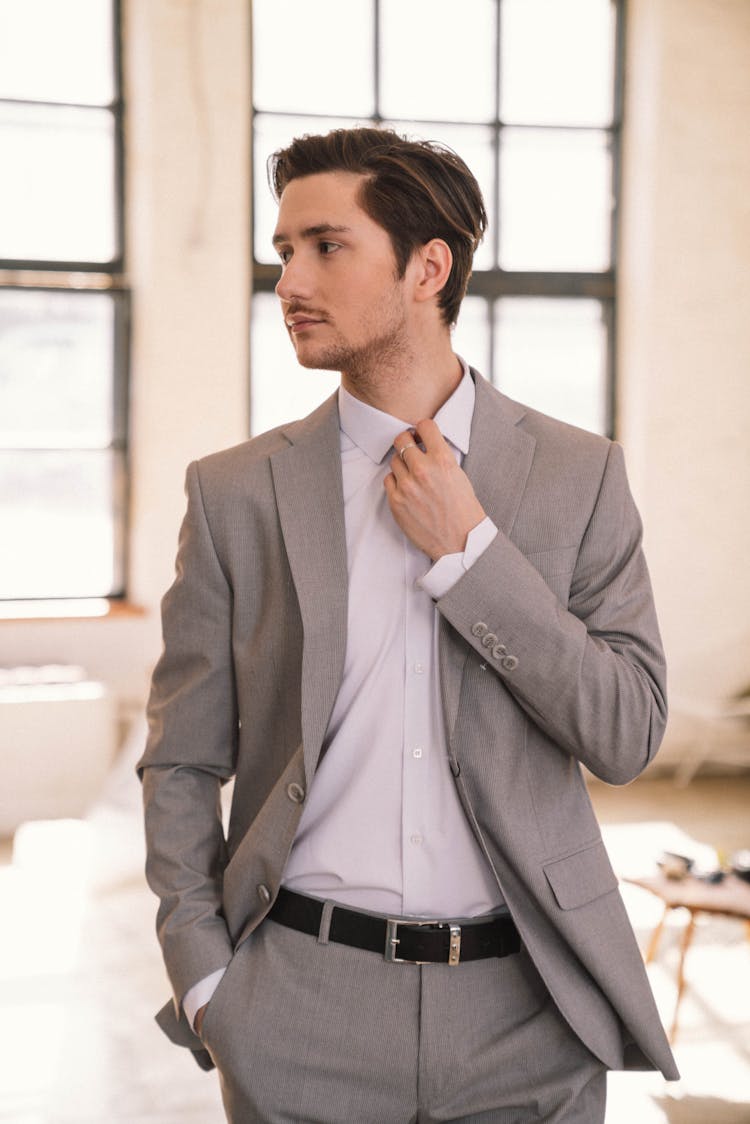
(44, 896)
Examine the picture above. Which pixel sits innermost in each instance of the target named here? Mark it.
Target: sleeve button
(510, 663)
(478, 629)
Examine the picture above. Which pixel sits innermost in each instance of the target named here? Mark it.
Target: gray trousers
(306, 1031)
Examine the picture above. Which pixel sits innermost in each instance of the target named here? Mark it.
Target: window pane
(269, 134)
(555, 200)
(475, 145)
(56, 369)
(557, 62)
(435, 63)
(57, 193)
(280, 389)
(551, 354)
(313, 58)
(53, 51)
(59, 524)
(471, 336)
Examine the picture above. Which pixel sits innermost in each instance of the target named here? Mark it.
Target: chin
(314, 363)
(320, 361)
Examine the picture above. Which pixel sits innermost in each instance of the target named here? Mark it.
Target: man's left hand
(430, 495)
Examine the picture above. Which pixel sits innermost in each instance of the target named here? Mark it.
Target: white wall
(684, 345)
(684, 327)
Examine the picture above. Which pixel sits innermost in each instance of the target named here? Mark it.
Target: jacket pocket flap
(582, 877)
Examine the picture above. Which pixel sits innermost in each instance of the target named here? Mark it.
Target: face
(343, 304)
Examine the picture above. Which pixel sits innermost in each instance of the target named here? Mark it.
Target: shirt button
(417, 751)
(416, 839)
(418, 668)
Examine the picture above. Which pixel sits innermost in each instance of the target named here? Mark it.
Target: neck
(411, 387)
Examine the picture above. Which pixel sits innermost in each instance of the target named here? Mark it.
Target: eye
(328, 247)
(284, 255)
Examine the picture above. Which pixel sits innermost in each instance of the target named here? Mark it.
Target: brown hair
(415, 190)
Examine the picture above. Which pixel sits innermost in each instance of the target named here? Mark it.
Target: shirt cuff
(448, 569)
(199, 994)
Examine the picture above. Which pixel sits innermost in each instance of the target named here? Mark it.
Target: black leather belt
(401, 942)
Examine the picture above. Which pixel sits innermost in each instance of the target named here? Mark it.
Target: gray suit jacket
(549, 656)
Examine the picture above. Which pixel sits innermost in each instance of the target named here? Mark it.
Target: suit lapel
(498, 464)
(309, 497)
(500, 454)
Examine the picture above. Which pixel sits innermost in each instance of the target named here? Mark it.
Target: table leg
(687, 937)
(653, 944)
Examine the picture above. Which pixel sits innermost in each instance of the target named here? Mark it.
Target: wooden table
(729, 898)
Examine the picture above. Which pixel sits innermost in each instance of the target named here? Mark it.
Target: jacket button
(264, 893)
(499, 650)
(478, 629)
(295, 792)
(489, 640)
(510, 663)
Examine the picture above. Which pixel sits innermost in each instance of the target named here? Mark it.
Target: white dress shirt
(382, 827)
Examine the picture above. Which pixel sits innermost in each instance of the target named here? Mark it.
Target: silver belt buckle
(454, 949)
(392, 941)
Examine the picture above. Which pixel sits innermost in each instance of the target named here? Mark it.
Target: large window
(63, 306)
(526, 91)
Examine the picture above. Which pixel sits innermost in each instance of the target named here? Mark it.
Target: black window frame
(78, 276)
(493, 284)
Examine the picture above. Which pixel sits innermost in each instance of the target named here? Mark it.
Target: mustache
(303, 310)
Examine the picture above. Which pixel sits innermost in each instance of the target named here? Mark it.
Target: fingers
(399, 467)
(428, 433)
(404, 441)
(430, 496)
(404, 449)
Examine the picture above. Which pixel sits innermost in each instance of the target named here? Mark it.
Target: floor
(708, 820)
(80, 973)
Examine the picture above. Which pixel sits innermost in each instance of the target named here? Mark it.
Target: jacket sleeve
(191, 751)
(589, 673)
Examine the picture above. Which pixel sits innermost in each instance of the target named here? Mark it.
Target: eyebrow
(313, 232)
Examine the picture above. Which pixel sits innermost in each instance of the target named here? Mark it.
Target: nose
(295, 282)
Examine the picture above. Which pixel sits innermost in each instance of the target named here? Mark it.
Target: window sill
(78, 609)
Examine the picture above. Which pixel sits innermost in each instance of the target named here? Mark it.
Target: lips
(299, 321)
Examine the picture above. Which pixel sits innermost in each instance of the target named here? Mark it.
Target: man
(400, 624)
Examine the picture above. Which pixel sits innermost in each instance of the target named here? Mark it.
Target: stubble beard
(378, 360)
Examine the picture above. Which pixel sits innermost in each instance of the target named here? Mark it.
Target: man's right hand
(198, 1021)
(201, 993)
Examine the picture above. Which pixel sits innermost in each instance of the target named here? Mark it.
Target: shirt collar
(373, 431)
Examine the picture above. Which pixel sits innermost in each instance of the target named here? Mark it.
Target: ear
(433, 263)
